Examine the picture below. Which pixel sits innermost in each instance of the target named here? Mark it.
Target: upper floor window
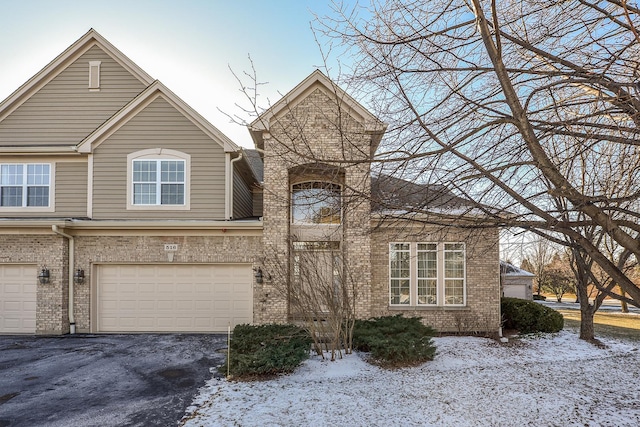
(315, 203)
(158, 182)
(25, 185)
(158, 179)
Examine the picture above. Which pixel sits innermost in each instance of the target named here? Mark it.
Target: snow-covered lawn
(550, 380)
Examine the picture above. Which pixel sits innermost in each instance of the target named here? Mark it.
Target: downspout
(72, 321)
(231, 181)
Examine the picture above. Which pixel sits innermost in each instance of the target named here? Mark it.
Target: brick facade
(482, 310)
(52, 251)
(309, 137)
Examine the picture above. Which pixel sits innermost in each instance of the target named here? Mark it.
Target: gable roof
(508, 269)
(317, 79)
(389, 193)
(148, 95)
(51, 70)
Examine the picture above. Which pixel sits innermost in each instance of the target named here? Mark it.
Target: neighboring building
(516, 282)
(123, 210)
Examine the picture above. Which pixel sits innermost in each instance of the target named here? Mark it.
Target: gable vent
(94, 75)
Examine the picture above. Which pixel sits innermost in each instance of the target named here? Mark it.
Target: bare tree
(538, 257)
(320, 293)
(504, 99)
(559, 276)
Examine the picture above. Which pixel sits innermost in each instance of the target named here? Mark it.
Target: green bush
(265, 350)
(395, 341)
(529, 317)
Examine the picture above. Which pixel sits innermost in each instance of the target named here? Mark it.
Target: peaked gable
(155, 90)
(82, 45)
(317, 80)
(58, 107)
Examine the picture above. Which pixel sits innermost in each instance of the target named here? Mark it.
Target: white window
(25, 185)
(427, 274)
(315, 203)
(158, 179)
(400, 273)
(454, 274)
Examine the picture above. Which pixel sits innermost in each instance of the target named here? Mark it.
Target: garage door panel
(173, 298)
(18, 298)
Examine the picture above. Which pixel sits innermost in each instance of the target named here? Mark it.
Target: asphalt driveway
(103, 380)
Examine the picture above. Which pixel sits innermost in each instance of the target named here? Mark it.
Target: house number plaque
(169, 247)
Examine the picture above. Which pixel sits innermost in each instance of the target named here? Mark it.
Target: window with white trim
(158, 182)
(25, 185)
(158, 179)
(427, 274)
(400, 273)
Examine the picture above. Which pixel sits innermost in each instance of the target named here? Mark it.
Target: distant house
(124, 210)
(516, 282)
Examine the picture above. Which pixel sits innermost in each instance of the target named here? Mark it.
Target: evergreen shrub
(266, 350)
(394, 341)
(530, 317)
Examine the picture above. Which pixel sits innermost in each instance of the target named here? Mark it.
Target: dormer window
(315, 203)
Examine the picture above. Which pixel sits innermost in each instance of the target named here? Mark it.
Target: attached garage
(172, 297)
(18, 298)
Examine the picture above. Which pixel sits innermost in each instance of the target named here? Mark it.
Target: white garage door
(515, 291)
(173, 298)
(18, 299)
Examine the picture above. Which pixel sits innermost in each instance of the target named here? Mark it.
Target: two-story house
(124, 210)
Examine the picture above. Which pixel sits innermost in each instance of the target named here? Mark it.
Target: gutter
(72, 321)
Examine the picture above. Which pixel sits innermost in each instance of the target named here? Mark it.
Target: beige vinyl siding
(71, 189)
(242, 199)
(257, 202)
(65, 111)
(68, 192)
(159, 125)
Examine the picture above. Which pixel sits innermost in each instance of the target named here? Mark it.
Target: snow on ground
(549, 380)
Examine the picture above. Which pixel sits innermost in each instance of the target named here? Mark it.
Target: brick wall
(482, 310)
(52, 298)
(52, 251)
(150, 249)
(315, 131)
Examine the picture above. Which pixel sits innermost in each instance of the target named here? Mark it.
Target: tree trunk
(624, 307)
(586, 325)
(587, 311)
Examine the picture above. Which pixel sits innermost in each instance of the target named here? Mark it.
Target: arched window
(158, 179)
(315, 202)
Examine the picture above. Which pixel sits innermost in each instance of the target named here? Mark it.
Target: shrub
(394, 341)
(265, 350)
(529, 317)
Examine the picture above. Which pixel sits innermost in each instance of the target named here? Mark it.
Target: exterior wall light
(78, 276)
(44, 276)
(259, 277)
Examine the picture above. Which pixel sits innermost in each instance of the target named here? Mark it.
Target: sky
(192, 46)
